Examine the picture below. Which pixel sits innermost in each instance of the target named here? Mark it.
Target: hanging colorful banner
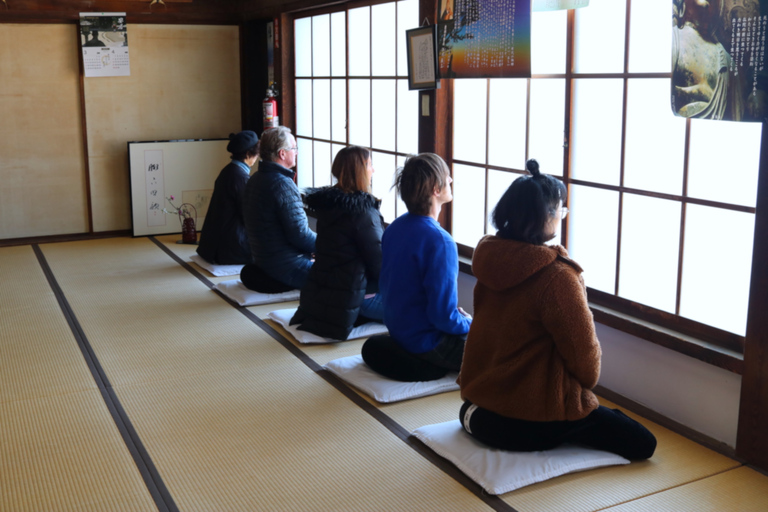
(484, 38)
(718, 59)
(558, 5)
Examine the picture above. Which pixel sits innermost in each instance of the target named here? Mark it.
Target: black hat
(242, 142)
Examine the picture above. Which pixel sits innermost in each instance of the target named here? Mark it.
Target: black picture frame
(421, 47)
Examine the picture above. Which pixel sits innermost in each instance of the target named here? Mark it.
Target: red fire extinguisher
(269, 106)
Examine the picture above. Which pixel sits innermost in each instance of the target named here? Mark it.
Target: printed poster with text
(104, 40)
(718, 59)
(484, 38)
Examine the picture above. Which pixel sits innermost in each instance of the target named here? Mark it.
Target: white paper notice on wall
(556, 5)
(104, 41)
(154, 173)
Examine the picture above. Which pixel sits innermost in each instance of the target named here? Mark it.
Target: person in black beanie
(223, 240)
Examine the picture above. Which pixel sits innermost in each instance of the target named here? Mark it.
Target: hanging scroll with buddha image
(718, 59)
(484, 38)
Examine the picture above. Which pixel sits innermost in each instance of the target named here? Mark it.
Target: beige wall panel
(42, 166)
(184, 84)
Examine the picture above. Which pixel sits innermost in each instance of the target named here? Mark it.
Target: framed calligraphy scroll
(185, 170)
(422, 58)
(484, 38)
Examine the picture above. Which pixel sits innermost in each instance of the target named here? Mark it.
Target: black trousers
(604, 429)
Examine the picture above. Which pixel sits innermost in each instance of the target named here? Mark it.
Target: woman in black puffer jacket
(345, 275)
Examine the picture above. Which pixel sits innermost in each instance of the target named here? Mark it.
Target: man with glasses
(278, 233)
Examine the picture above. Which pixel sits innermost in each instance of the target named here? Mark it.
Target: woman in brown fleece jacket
(532, 356)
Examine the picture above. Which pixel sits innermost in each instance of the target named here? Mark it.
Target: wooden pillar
(752, 439)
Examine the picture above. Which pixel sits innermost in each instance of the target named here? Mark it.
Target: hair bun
(232, 136)
(533, 167)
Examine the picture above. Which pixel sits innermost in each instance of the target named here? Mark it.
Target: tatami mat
(231, 419)
(64, 453)
(677, 461)
(280, 438)
(234, 421)
(185, 252)
(39, 355)
(146, 317)
(739, 490)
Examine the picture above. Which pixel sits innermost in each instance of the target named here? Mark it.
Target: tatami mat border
(494, 502)
(147, 469)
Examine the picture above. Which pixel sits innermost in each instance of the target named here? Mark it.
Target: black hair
(527, 206)
(248, 153)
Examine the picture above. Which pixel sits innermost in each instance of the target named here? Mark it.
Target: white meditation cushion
(499, 471)
(283, 317)
(217, 270)
(236, 290)
(353, 370)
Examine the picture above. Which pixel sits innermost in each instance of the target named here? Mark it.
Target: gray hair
(272, 141)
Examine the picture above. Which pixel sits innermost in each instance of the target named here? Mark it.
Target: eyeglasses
(564, 212)
(294, 148)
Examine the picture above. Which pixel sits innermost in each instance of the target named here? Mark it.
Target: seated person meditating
(281, 241)
(420, 266)
(532, 356)
(344, 279)
(223, 240)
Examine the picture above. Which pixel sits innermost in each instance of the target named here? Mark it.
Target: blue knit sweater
(420, 266)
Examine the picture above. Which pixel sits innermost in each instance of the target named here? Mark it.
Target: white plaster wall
(698, 395)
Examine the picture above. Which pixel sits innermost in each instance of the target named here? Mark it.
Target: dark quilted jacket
(347, 264)
(275, 221)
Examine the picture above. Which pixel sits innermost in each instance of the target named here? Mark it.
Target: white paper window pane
(593, 233)
(383, 177)
(339, 110)
(407, 18)
(321, 45)
(724, 161)
(360, 112)
(321, 114)
(304, 173)
(469, 107)
(407, 118)
(507, 121)
(335, 148)
(498, 183)
(717, 263)
(599, 37)
(339, 43)
(384, 110)
(547, 124)
(359, 42)
(650, 36)
(401, 208)
(383, 34)
(322, 164)
(548, 44)
(651, 124)
(303, 41)
(304, 107)
(650, 244)
(468, 204)
(596, 134)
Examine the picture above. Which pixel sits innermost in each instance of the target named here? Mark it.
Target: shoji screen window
(500, 123)
(352, 89)
(662, 208)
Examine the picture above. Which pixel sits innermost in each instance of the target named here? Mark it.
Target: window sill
(703, 351)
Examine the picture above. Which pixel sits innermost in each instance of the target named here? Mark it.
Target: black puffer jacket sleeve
(368, 236)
